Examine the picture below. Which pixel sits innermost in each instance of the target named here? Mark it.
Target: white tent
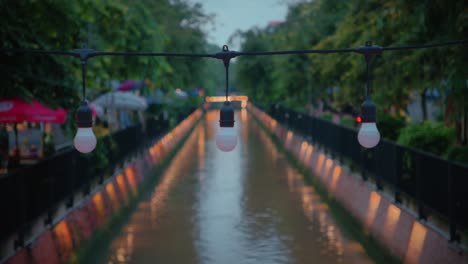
(121, 101)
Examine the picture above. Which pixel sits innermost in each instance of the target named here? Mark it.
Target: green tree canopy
(107, 25)
(339, 79)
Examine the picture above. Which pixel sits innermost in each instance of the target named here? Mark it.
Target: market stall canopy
(121, 101)
(18, 111)
(130, 85)
(96, 110)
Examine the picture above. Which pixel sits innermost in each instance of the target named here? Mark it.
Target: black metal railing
(436, 186)
(33, 191)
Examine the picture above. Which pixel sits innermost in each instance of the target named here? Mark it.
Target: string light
(226, 140)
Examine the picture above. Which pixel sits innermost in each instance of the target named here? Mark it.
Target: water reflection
(217, 207)
(244, 206)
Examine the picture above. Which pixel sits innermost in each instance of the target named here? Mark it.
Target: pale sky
(231, 15)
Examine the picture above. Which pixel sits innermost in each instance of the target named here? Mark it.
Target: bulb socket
(226, 115)
(368, 111)
(84, 116)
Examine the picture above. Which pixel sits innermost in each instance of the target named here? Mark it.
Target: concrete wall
(395, 226)
(59, 242)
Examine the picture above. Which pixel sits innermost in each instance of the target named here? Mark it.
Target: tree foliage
(107, 25)
(339, 79)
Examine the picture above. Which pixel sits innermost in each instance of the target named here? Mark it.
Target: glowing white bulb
(226, 140)
(85, 141)
(368, 135)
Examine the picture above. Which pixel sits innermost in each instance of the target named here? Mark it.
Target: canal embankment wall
(396, 227)
(60, 241)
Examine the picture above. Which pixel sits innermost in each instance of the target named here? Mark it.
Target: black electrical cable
(367, 79)
(425, 46)
(51, 52)
(233, 54)
(290, 52)
(83, 75)
(368, 51)
(153, 54)
(227, 80)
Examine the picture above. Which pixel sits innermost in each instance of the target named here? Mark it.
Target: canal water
(245, 206)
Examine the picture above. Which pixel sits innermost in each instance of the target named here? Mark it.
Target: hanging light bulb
(226, 140)
(84, 141)
(368, 135)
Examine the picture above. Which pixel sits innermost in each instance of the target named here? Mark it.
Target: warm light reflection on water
(112, 195)
(374, 202)
(320, 162)
(129, 172)
(245, 206)
(328, 165)
(289, 138)
(336, 177)
(122, 187)
(416, 243)
(64, 239)
(245, 125)
(201, 153)
(99, 205)
(393, 215)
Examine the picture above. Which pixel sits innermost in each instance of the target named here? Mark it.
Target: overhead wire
(219, 55)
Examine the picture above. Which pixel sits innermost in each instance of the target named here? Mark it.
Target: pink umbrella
(130, 85)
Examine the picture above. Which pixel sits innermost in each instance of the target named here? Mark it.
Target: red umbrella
(18, 111)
